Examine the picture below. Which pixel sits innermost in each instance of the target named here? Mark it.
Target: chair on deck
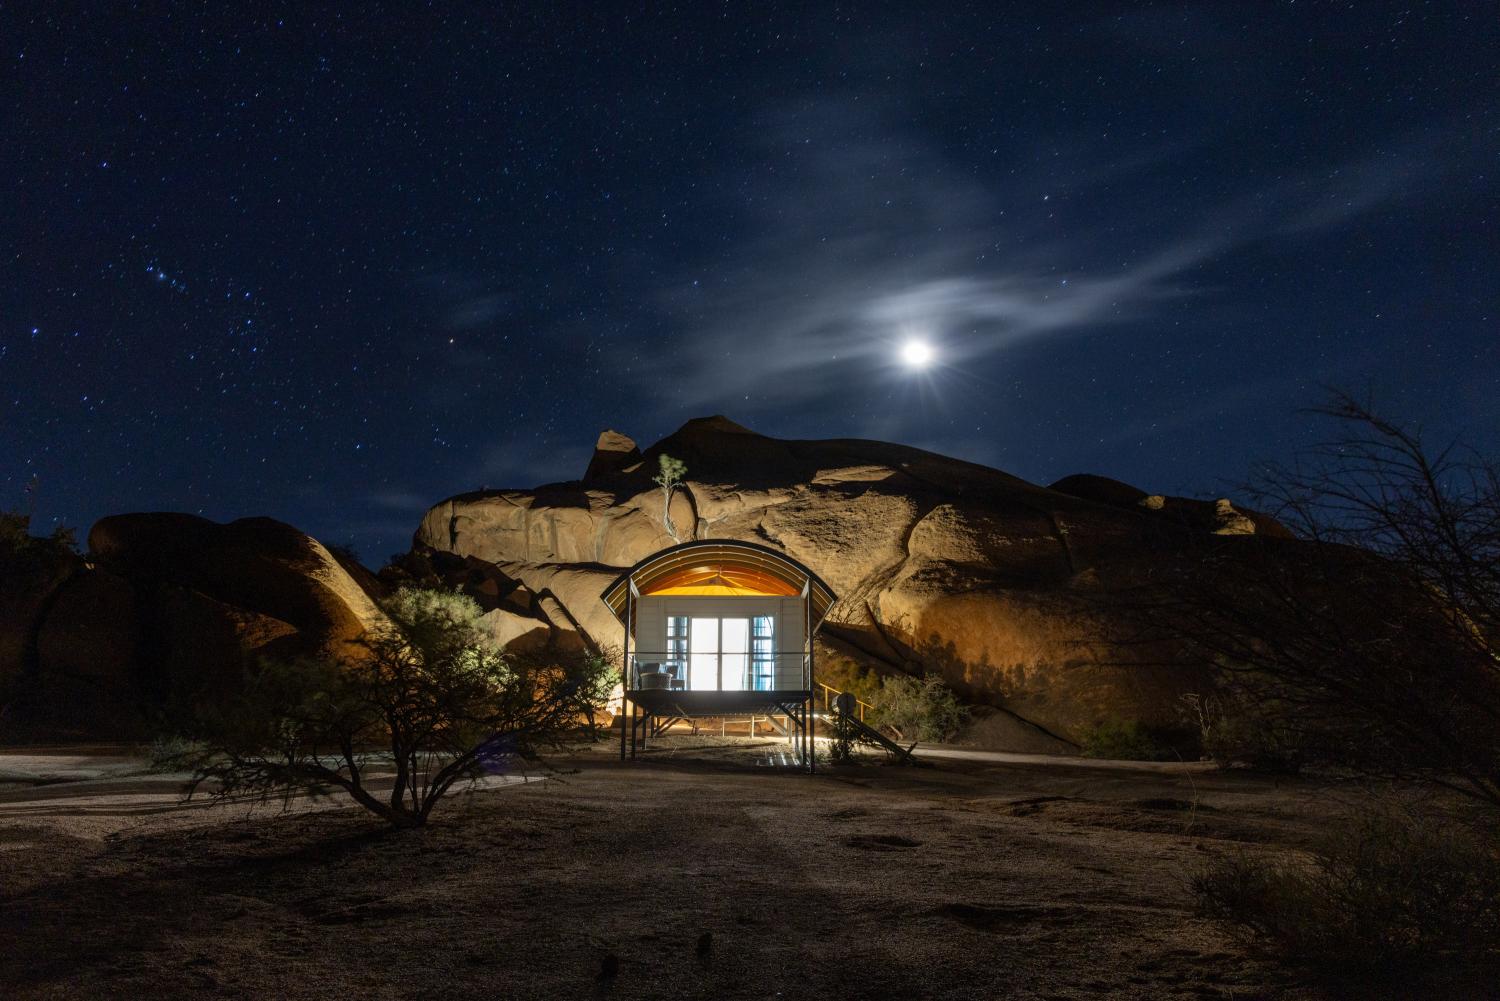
(652, 677)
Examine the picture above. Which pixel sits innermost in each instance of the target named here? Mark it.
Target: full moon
(916, 354)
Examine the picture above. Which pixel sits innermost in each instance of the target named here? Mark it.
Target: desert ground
(699, 870)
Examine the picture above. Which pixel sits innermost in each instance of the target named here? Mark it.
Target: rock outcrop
(169, 607)
(1219, 516)
(938, 564)
(33, 572)
(257, 565)
(613, 453)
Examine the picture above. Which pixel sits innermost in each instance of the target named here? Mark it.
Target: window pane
(763, 654)
(703, 664)
(736, 635)
(677, 643)
(735, 655)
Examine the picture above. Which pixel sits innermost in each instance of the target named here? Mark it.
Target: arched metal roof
(729, 558)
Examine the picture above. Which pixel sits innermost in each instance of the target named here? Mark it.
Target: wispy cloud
(866, 235)
(874, 237)
(399, 500)
(462, 300)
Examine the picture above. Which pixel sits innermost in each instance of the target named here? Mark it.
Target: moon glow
(916, 354)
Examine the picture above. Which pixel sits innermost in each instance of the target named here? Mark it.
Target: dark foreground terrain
(691, 874)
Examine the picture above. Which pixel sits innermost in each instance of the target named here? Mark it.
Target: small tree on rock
(672, 472)
(430, 703)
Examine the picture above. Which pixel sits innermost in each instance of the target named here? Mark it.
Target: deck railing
(777, 662)
(751, 668)
(830, 693)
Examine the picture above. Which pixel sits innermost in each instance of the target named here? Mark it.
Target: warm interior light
(719, 581)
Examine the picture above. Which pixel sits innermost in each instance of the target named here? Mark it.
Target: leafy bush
(1126, 740)
(31, 566)
(919, 708)
(432, 693)
(1393, 887)
(1258, 741)
(595, 671)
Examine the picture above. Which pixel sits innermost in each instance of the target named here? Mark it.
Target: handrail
(830, 693)
(798, 652)
(638, 657)
(860, 730)
(777, 660)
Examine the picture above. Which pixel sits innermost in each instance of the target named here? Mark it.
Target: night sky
(334, 263)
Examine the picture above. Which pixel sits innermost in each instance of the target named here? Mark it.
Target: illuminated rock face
(938, 564)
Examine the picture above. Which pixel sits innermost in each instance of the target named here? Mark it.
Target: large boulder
(32, 573)
(91, 633)
(257, 564)
(938, 564)
(166, 609)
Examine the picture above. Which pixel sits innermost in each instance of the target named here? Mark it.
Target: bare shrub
(1239, 733)
(432, 702)
(1394, 887)
(1372, 640)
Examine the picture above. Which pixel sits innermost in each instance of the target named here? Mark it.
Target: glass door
(734, 654)
(703, 656)
(719, 654)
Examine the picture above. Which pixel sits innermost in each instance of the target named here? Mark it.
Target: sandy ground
(696, 872)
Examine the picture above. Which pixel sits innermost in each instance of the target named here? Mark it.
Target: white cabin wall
(650, 630)
(791, 638)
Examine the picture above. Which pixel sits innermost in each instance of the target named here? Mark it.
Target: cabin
(718, 628)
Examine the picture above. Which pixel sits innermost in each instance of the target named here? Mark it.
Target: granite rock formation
(938, 564)
(166, 608)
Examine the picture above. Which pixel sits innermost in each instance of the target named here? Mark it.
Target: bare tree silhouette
(1372, 636)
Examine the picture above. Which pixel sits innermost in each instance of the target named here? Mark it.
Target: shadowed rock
(170, 607)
